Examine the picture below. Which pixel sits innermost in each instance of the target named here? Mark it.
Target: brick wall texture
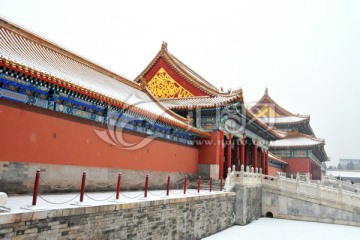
(180, 218)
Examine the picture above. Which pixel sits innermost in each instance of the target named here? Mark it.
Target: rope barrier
(139, 183)
(182, 186)
(100, 200)
(58, 203)
(157, 195)
(105, 186)
(176, 193)
(131, 197)
(57, 188)
(192, 193)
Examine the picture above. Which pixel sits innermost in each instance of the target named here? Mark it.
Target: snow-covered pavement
(281, 229)
(70, 200)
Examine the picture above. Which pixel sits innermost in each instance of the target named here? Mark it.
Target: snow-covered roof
(203, 102)
(27, 50)
(284, 119)
(296, 139)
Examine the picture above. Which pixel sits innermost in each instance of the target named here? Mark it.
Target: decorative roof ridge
(193, 72)
(151, 64)
(185, 73)
(52, 46)
(182, 72)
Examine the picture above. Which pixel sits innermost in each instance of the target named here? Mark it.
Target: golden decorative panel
(162, 85)
(267, 111)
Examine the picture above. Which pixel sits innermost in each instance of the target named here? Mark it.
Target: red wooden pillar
(228, 153)
(267, 163)
(237, 149)
(242, 158)
(221, 153)
(247, 156)
(262, 161)
(255, 155)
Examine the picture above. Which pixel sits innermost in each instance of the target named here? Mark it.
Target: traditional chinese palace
(61, 113)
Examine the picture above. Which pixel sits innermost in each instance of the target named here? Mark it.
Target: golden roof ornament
(164, 45)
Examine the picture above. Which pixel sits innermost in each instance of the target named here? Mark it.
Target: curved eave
(296, 146)
(304, 120)
(276, 158)
(275, 135)
(178, 117)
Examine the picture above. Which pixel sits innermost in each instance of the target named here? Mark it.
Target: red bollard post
(220, 184)
(199, 180)
(36, 187)
(210, 184)
(82, 192)
(185, 180)
(168, 186)
(118, 187)
(146, 185)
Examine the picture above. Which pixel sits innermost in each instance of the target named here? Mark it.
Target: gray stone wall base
(247, 204)
(208, 170)
(18, 178)
(180, 218)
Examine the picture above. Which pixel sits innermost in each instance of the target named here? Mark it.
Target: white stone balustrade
(3, 201)
(316, 189)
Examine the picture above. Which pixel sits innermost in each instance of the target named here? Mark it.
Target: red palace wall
(274, 170)
(209, 149)
(303, 165)
(33, 135)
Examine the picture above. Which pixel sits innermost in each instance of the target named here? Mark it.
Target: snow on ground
(344, 173)
(60, 201)
(281, 229)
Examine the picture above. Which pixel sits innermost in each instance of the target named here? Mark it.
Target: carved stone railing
(315, 189)
(249, 177)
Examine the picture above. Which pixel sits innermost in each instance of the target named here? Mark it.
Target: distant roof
(297, 139)
(272, 113)
(21, 49)
(267, 107)
(186, 73)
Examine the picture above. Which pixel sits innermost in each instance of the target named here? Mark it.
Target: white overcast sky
(306, 52)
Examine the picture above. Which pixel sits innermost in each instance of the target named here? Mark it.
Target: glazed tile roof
(296, 139)
(23, 49)
(284, 119)
(203, 102)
